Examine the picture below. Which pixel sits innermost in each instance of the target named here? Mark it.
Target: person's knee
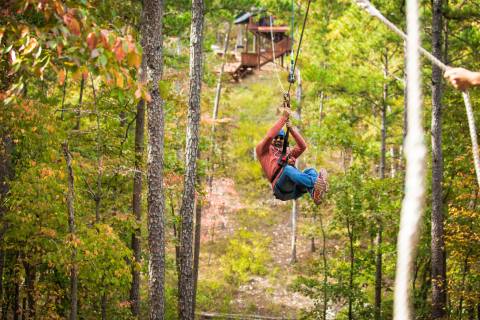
(310, 171)
(289, 169)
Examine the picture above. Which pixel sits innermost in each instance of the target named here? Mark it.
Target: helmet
(281, 133)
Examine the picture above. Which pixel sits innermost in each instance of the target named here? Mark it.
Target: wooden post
(257, 45)
(246, 38)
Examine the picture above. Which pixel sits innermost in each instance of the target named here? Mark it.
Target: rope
(415, 150)
(273, 53)
(292, 71)
(291, 74)
(473, 133)
(365, 4)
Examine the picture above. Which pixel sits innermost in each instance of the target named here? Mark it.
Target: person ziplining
(278, 164)
(278, 159)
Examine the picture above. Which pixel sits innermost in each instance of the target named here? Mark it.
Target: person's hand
(285, 112)
(461, 78)
(289, 124)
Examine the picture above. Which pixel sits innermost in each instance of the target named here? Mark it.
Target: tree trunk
(186, 277)
(6, 173)
(16, 299)
(196, 253)
(152, 44)
(312, 239)
(439, 293)
(2, 264)
(80, 101)
(98, 192)
(64, 93)
(383, 151)
(293, 256)
(104, 305)
(405, 96)
(295, 206)
(325, 269)
(30, 274)
(352, 261)
(71, 230)
(137, 208)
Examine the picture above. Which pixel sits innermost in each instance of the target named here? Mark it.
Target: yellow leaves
(118, 79)
(48, 232)
(134, 59)
(32, 43)
(73, 240)
(24, 30)
(79, 73)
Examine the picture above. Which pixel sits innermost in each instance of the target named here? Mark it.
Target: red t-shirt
(268, 155)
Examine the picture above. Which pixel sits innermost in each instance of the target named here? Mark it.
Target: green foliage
(246, 255)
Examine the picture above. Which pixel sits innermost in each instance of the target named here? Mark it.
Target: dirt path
(269, 294)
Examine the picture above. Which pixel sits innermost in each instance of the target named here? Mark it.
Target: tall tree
(72, 231)
(383, 150)
(298, 96)
(152, 43)
(439, 296)
(137, 207)
(186, 276)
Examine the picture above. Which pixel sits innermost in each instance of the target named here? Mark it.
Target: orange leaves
(61, 76)
(48, 232)
(118, 50)
(104, 35)
(142, 93)
(92, 40)
(72, 23)
(58, 7)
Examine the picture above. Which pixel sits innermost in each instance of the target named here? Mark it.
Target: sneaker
(321, 187)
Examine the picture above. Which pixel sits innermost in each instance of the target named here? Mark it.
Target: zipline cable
(292, 71)
(291, 74)
(366, 5)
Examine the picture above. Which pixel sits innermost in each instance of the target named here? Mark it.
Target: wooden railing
(250, 59)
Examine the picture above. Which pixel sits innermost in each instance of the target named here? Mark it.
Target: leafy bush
(247, 255)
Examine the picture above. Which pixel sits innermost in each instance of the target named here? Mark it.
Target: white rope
(473, 133)
(273, 53)
(415, 151)
(365, 4)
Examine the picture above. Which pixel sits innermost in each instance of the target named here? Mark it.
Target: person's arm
(301, 144)
(462, 79)
(264, 145)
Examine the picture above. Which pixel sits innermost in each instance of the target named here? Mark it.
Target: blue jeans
(295, 182)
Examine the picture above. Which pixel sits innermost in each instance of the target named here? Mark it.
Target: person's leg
(304, 179)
